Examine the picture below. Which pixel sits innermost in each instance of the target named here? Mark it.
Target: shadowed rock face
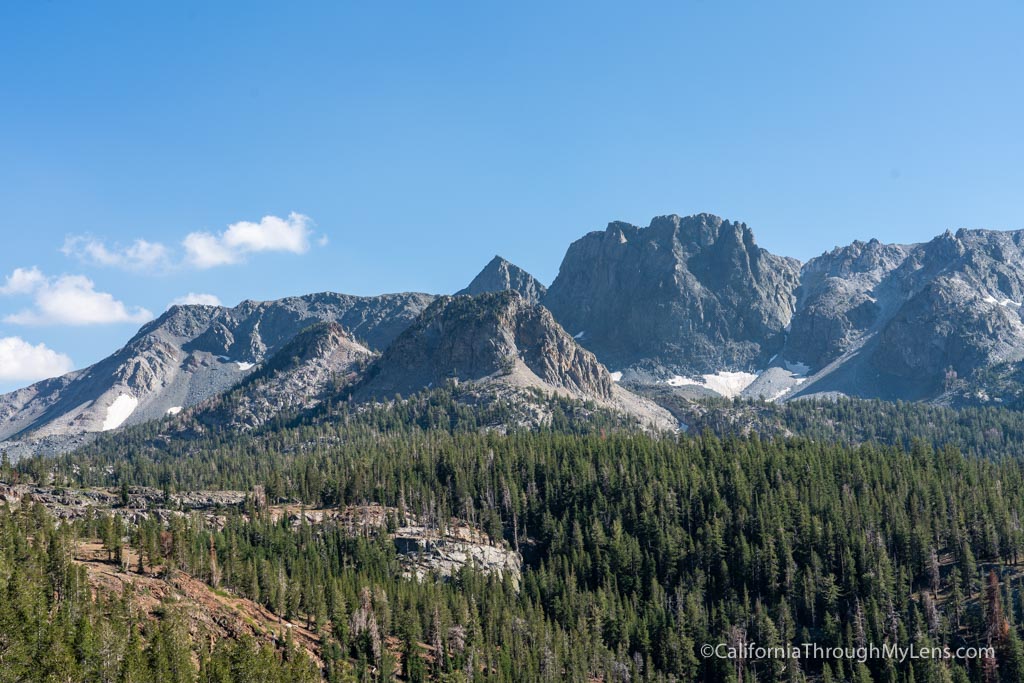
(491, 336)
(189, 354)
(682, 296)
(499, 275)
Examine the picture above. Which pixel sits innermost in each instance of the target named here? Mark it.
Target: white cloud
(206, 251)
(20, 361)
(139, 255)
(201, 249)
(23, 281)
(193, 298)
(67, 300)
(291, 234)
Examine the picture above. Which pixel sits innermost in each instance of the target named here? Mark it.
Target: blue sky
(400, 146)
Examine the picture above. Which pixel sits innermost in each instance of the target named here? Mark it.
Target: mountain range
(686, 307)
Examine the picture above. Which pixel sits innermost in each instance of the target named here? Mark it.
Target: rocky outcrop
(499, 275)
(492, 336)
(424, 547)
(683, 296)
(425, 551)
(498, 340)
(133, 505)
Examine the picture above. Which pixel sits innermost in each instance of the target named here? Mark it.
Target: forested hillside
(637, 551)
(989, 432)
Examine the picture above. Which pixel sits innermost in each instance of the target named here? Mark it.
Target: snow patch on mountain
(242, 365)
(1010, 303)
(725, 383)
(119, 411)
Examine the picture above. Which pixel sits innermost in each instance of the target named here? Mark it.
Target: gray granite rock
(499, 275)
(681, 296)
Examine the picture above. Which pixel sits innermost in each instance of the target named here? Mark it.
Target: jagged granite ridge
(189, 354)
(308, 370)
(689, 305)
(910, 321)
(681, 296)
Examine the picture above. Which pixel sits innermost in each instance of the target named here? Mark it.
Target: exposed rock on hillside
(308, 370)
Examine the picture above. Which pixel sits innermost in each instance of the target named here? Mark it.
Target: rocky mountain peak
(500, 275)
(857, 260)
(498, 346)
(683, 295)
(318, 341)
(700, 231)
(180, 321)
(897, 321)
(496, 336)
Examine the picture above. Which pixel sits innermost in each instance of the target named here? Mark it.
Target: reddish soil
(210, 614)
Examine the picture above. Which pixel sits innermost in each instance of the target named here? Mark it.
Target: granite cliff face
(694, 304)
(683, 296)
(189, 354)
(499, 275)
